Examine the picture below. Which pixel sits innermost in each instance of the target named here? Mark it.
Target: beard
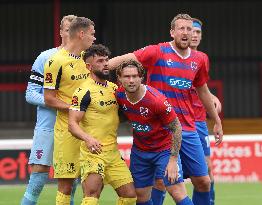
(182, 45)
(101, 75)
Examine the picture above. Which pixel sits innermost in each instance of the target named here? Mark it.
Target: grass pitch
(226, 194)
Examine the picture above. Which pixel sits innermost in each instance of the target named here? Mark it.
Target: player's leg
(202, 131)
(66, 164)
(194, 165)
(143, 172)
(92, 188)
(74, 186)
(177, 190)
(212, 188)
(119, 177)
(93, 168)
(40, 160)
(158, 192)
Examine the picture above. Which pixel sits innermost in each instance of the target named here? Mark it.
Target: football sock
(185, 201)
(145, 203)
(89, 201)
(212, 194)
(158, 196)
(35, 186)
(74, 186)
(201, 198)
(126, 201)
(62, 199)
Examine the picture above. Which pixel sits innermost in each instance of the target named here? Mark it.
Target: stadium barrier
(237, 159)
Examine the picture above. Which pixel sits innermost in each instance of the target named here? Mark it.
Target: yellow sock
(89, 201)
(62, 199)
(126, 201)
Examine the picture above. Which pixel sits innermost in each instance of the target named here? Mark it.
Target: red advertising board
(237, 159)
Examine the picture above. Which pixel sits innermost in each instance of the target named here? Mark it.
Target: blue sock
(157, 196)
(212, 194)
(185, 201)
(74, 186)
(145, 203)
(201, 198)
(36, 183)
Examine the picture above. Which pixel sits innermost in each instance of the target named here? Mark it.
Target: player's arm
(176, 129)
(217, 104)
(171, 169)
(206, 98)
(33, 93)
(52, 101)
(35, 84)
(116, 61)
(73, 126)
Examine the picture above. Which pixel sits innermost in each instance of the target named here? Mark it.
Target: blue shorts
(192, 155)
(202, 131)
(42, 148)
(145, 167)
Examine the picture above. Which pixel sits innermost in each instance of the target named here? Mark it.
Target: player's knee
(93, 191)
(159, 184)
(201, 184)
(177, 192)
(126, 201)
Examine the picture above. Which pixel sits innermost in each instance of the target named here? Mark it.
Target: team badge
(193, 65)
(144, 111)
(75, 101)
(48, 78)
(39, 153)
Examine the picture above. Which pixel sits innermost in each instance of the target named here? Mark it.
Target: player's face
(64, 32)
(196, 37)
(89, 37)
(99, 67)
(182, 33)
(130, 79)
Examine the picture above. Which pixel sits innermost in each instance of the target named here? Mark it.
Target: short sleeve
(80, 100)
(52, 74)
(202, 74)
(147, 56)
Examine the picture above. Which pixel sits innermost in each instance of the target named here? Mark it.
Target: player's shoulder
(112, 85)
(120, 92)
(154, 92)
(49, 52)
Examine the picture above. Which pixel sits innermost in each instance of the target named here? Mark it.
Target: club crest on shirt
(48, 78)
(143, 111)
(75, 101)
(193, 66)
(39, 153)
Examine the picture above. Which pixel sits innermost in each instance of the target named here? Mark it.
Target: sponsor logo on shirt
(141, 128)
(79, 76)
(180, 83)
(107, 103)
(48, 78)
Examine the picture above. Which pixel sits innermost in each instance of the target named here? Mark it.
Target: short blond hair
(180, 16)
(68, 18)
(79, 23)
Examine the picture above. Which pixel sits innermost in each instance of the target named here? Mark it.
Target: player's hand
(171, 170)
(218, 133)
(93, 145)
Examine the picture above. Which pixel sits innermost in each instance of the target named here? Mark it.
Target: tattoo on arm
(176, 129)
